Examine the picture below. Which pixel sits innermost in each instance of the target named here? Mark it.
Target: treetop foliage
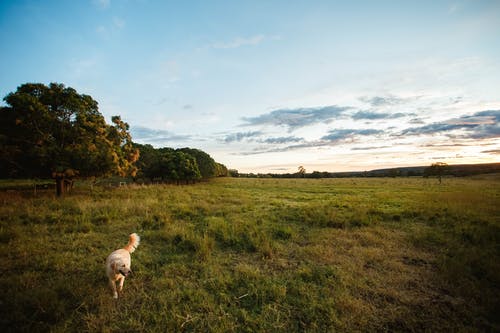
(53, 131)
(175, 165)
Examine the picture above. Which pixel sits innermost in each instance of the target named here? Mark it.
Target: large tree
(52, 131)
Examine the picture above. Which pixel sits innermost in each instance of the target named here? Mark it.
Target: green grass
(246, 255)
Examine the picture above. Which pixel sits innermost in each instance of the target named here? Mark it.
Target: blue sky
(266, 86)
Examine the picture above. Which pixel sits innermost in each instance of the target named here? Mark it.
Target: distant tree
(222, 170)
(151, 163)
(437, 169)
(206, 164)
(233, 173)
(186, 167)
(52, 131)
(302, 171)
(148, 162)
(167, 164)
(316, 174)
(393, 173)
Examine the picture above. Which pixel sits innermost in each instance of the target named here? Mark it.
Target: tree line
(438, 169)
(55, 132)
(177, 165)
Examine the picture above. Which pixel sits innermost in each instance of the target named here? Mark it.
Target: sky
(267, 86)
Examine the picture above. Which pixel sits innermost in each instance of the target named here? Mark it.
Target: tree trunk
(59, 186)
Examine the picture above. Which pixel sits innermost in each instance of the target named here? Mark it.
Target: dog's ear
(113, 266)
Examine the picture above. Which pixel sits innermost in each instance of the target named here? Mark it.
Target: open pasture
(247, 255)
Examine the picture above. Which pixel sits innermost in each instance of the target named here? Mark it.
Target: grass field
(257, 255)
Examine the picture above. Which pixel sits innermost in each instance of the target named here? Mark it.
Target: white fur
(118, 264)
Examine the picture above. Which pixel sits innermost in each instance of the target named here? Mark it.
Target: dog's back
(121, 257)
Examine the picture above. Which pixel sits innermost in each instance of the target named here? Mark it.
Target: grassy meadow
(256, 255)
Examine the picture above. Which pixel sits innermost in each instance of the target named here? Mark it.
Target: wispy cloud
(370, 148)
(261, 150)
(492, 151)
(256, 136)
(444, 145)
(238, 42)
(417, 121)
(338, 135)
(480, 125)
(282, 140)
(377, 115)
(377, 101)
(237, 137)
(297, 118)
(433, 128)
(335, 137)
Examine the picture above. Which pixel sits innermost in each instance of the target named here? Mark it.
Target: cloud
(416, 121)
(492, 151)
(333, 138)
(486, 132)
(282, 140)
(370, 148)
(377, 101)
(251, 136)
(445, 145)
(494, 114)
(297, 118)
(155, 136)
(488, 124)
(377, 115)
(261, 150)
(480, 125)
(238, 42)
(338, 135)
(432, 129)
(237, 137)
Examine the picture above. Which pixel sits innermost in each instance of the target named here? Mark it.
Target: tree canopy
(437, 169)
(206, 164)
(176, 165)
(52, 131)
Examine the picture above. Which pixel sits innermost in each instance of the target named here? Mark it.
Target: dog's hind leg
(113, 287)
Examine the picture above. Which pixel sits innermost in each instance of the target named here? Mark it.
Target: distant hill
(457, 170)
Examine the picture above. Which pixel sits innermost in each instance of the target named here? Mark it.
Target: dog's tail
(133, 242)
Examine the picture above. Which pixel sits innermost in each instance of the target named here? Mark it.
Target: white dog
(118, 263)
